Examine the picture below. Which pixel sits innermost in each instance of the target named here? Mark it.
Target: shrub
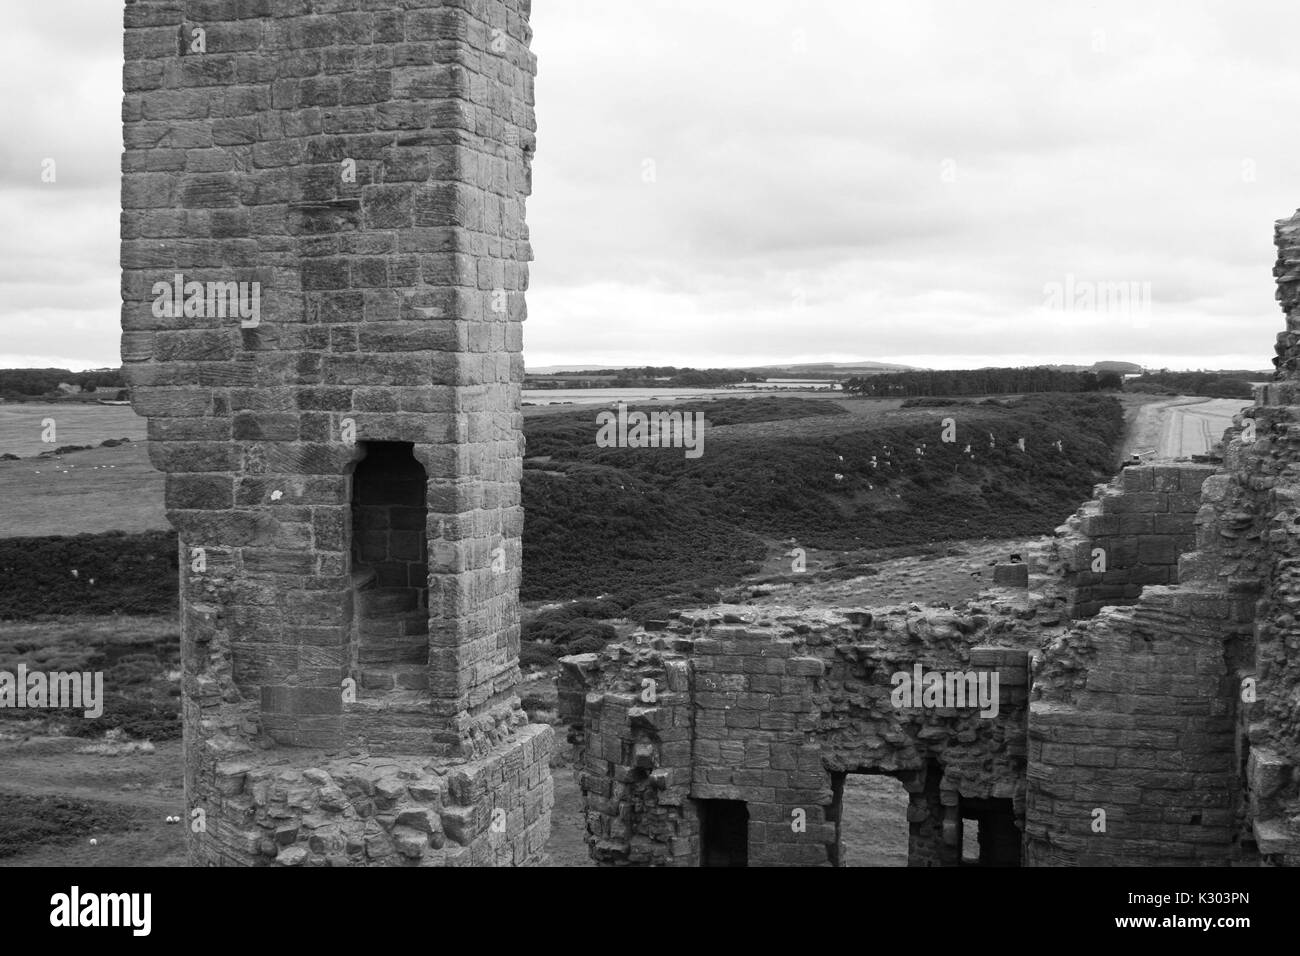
(137, 719)
(933, 403)
(537, 655)
(555, 627)
(586, 645)
(29, 821)
(132, 574)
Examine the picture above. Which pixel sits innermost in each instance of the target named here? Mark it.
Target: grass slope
(600, 520)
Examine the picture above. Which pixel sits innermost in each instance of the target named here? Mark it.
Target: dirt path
(957, 573)
(568, 843)
(1179, 427)
(1193, 428)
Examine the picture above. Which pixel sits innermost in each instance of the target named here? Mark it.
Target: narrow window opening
(970, 842)
(390, 567)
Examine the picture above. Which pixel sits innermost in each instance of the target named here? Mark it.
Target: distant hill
(831, 369)
(559, 369)
(800, 370)
(1123, 368)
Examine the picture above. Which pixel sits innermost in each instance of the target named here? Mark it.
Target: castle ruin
(324, 260)
(1147, 710)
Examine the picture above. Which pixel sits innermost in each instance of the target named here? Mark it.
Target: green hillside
(604, 520)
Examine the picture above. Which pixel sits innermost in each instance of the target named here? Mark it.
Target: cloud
(795, 179)
(920, 171)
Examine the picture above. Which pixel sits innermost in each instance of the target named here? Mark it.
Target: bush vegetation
(982, 381)
(1214, 384)
(116, 573)
(642, 526)
(28, 821)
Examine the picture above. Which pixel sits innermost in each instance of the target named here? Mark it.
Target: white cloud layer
(830, 181)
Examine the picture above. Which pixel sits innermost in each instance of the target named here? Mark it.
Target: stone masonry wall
(1133, 730)
(773, 710)
(1265, 490)
(1132, 736)
(366, 165)
(1141, 522)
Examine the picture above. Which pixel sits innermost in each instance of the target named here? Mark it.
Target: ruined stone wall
(773, 712)
(1141, 522)
(1133, 730)
(366, 168)
(1259, 527)
(1131, 736)
(1190, 694)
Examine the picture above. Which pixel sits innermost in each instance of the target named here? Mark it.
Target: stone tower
(324, 260)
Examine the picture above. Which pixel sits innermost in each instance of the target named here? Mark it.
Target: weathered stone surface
(365, 195)
(781, 736)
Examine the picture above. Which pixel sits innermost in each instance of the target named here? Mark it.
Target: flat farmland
(85, 492)
(76, 423)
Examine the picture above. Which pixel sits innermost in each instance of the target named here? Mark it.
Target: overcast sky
(943, 184)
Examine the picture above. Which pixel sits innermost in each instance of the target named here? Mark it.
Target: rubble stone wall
(773, 710)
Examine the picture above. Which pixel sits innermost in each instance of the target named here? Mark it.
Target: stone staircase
(392, 638)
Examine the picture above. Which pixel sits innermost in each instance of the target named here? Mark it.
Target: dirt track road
(1192, 429)
(1181, 427)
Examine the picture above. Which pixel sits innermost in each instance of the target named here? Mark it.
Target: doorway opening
(871, 809)
(990, 836)
(724, 832)
(390, 569)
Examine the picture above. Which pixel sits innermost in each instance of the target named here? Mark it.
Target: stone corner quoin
(324, 259)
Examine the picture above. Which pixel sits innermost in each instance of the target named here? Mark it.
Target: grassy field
(59, 793)
(104, 489)
(75, 423)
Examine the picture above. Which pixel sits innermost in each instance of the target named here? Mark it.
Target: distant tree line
(981, 381)
(672, 376)
(1214, 384)
(28, 384)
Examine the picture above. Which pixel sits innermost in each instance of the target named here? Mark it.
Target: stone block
(1011, 575)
